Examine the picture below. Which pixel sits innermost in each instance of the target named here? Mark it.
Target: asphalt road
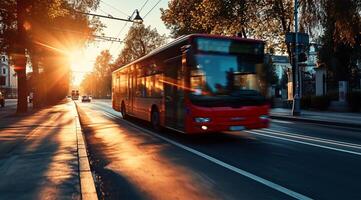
(290, 160)
(9, 108)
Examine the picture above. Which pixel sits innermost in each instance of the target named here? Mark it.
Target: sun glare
(78, 65)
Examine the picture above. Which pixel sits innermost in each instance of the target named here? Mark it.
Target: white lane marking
(306, 143)
(225, 165)
(282, 122)
(109, 115)
(306, 137)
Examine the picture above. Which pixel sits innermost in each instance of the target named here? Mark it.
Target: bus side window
(158, 85)
(149, 86)
(141, 89)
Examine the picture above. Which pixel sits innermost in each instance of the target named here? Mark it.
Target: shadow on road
(109, 185)
(41, 163)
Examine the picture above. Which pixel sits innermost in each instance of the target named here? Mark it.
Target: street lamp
(137, 19)
(296, 106)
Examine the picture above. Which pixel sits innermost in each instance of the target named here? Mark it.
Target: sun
(78, 65)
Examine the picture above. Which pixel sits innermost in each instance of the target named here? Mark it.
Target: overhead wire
(151, 9)
(108, 14)
(145, 3)
(109, 5)
(142, 7)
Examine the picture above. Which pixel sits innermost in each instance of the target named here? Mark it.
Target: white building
(281, 67)
(8, 78)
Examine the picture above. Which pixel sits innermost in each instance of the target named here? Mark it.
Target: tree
(179, 17)
(103, 74)
(30, 26)
(139, 41)
(269, 20)
(229, 17)
(341, 39)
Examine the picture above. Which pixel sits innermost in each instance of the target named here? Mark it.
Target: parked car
(85, 99)
(2, 99)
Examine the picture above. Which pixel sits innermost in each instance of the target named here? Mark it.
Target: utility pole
(296, 107)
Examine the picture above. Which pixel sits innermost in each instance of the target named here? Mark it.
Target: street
(289, 160)
(180, 99)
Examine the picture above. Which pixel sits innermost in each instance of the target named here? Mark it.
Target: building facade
(8, 78)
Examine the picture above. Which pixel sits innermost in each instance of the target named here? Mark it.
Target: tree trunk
(20, 59)
(22, 106)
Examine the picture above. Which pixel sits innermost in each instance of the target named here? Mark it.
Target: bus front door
(174, 95)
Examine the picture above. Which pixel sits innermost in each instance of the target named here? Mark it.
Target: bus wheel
(155, 120)
(123, 111)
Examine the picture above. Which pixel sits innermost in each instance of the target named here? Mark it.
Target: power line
(114, 8)
(104, 12)
(101, 37)
(151, 9)
(121, 30)
(145, 3)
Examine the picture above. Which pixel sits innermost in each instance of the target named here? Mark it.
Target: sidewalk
(352, 120)
(39, 155)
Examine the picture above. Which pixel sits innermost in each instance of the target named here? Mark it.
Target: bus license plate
(237, 128)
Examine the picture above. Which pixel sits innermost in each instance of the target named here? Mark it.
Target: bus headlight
(264, 117)
(202, 119)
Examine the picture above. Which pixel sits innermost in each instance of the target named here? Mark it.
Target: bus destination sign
(229, 46)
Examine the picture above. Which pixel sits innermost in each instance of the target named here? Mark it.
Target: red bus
(196, 84)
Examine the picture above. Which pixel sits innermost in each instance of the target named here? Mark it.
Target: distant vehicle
(86, 99)
(196, 84)
(74, 94)
(31, 96)
(2, 99)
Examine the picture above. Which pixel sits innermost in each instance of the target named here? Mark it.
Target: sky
(84, 60)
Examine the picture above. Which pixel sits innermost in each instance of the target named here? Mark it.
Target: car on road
(2, 99)
(85, 98)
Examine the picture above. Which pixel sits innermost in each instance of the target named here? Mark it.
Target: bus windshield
(223, 77)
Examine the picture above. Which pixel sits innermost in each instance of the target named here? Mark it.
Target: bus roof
(185, 38)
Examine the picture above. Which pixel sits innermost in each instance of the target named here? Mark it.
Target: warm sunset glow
(78, 65)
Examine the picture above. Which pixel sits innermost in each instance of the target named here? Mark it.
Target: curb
(87, 186)
(314, 121)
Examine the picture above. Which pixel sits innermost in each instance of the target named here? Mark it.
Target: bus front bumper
(220, 120)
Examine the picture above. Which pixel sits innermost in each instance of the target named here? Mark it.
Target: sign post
(296, 39)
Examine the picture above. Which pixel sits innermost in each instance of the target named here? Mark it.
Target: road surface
(289, 160)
